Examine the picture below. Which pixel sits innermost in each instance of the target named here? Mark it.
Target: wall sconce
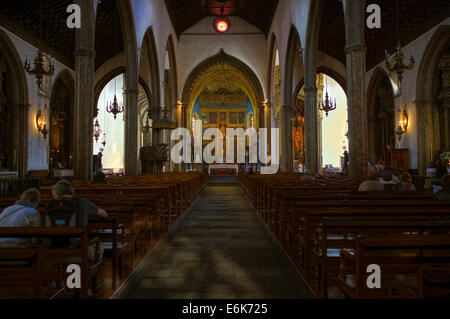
(40, 124)
(402, 124)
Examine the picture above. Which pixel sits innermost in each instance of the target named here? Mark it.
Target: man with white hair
(67, 211)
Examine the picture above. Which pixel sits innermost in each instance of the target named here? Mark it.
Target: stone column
(84, 93)
(355, 50)
(287, 164)
(311, 130)
(131, 132)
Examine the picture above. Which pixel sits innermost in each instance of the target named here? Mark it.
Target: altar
(223, 167)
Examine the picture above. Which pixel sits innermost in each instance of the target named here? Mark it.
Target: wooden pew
(30, 271)
(88, 270)
(434, 283)
(399, 258)
(335, 234)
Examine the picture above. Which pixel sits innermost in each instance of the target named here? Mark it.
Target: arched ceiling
(185, 13)
(416, 18)
(219, 76)
(23, 17)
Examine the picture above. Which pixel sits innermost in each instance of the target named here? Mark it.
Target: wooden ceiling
(23, 17)
(185, 13)
(416, 18)
(43, 24)
(49, 31)
(108, 32)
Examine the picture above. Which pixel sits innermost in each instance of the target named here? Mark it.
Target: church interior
(352, 97)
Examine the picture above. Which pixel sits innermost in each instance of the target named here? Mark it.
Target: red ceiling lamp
(222, 24)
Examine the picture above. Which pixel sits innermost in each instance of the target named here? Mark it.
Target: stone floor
(220, 249)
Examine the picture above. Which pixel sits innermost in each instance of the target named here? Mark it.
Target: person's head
(62, 189)
(445, 183)
(405, 177)
(32, 195)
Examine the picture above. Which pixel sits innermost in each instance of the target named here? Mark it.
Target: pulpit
(397, 158)
(153, 158)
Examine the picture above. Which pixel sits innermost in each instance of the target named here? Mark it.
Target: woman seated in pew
(444, 193)
(67, 211)
(406, 184)
(22, 214)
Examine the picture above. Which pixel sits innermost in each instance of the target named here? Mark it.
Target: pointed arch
(428, 145)
(196, 80)
(149, 52)
(17, 88)
(293, 48)
(378, 77)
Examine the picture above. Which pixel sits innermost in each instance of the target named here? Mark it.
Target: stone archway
(100, 85)
(380, 113)
(13, 109)
(428, 81)
(239, 73)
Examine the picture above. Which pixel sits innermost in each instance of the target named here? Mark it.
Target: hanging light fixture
(165, 123)
(327, 105)
(104, 140)
(396, 65)
(40, 70)
(222, 24)
(97, 130)
(114, 108)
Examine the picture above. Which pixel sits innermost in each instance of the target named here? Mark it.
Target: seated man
(444, 193)
(22, 214)
(67, 211)
(372, 184)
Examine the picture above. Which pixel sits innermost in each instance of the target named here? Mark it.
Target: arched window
(110, 142)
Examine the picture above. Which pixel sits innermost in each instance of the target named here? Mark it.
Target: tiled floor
(219, 249)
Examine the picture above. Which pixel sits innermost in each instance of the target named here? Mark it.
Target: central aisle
(220, 249)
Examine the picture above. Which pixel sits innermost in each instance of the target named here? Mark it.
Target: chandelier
(114, 107)
(39, 70)
(97, 130)
(396, 65)
(327, 105)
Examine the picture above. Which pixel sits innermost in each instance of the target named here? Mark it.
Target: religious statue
(58, 126)
(386, 117)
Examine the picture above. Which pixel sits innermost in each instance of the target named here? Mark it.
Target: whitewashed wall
(244, 42)
(153, 13)
(38, 147)
(410, 138)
